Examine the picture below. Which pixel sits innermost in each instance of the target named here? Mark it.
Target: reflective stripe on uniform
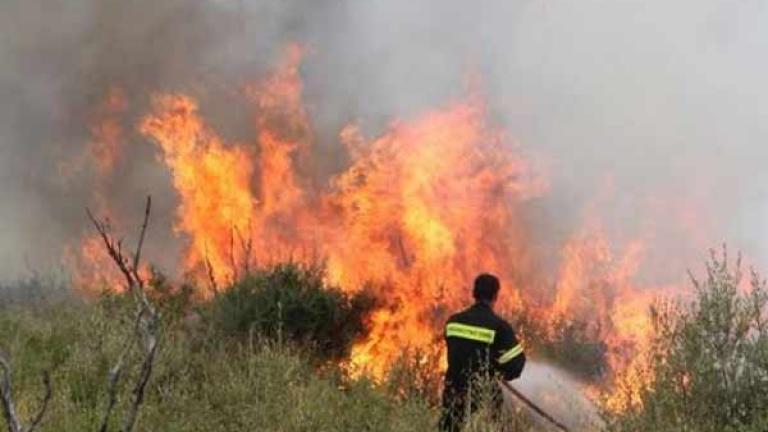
(465, 331)
(511, 354)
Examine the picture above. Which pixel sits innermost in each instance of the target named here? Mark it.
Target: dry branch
(211, 275)
(146, 324)
(247, 248)
(232, 260)
(9, 408)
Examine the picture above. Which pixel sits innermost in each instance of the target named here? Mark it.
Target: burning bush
(291, 302)
(708, 364)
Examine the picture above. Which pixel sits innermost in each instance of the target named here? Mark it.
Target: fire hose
(521, 397)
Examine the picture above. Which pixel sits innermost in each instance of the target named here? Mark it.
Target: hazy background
(650, 114)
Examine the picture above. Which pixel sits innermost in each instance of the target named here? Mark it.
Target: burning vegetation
(409, 217)
(320, 210)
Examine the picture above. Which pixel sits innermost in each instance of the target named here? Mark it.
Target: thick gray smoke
(647, 113)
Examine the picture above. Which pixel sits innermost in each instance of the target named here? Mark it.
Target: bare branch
(137, 255)
(232, 261)
(113, 379)
(211, 275)
(141, 384)
(247, 248)
(114, 249)
(115, 373)
(9, 408)
(145, 327)
(6, 389)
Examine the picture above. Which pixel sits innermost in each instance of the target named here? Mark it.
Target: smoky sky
(648, 113)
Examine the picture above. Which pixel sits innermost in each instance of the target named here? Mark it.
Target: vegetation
(709, 362)
(228, 371)
(201, 382)
(243, 360)
(570, 344)
(291, 303)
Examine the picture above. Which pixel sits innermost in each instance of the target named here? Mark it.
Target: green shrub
(709, 361)
(175, 302)
(228, 384)
(292, 303)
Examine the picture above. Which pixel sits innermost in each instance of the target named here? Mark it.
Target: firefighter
(481, 346)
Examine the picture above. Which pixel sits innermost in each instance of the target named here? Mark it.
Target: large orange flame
(212, 180)
(432, 203)
(418, 211)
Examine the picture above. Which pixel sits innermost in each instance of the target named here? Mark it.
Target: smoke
(647, 114)
(558, 395)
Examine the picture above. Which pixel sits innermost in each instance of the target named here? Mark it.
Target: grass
(205, 379)
(201, 383)
(218, 371)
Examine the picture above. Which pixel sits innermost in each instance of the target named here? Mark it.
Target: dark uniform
(480, 343)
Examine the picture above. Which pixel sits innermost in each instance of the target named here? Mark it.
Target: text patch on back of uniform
(465, 331)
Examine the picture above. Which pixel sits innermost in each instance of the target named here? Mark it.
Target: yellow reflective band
(464, 331)
(511, 354)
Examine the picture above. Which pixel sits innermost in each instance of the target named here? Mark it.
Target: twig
(247, 247)
(115, 373)
(141, 384)
(145, 326)
(9, 408)
(114, 248)
(211, 275)
(137, 256)
(232, 261)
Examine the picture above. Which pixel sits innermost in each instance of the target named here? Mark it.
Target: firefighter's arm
(510, 357)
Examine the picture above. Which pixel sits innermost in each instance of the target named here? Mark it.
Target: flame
(432, 202)
(90, 265)
(418, 210)
(212, 180)
(281, 218)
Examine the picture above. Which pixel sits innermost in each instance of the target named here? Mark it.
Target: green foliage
(709, 361)
(175, 301)
(292, 303)
(201, 382)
